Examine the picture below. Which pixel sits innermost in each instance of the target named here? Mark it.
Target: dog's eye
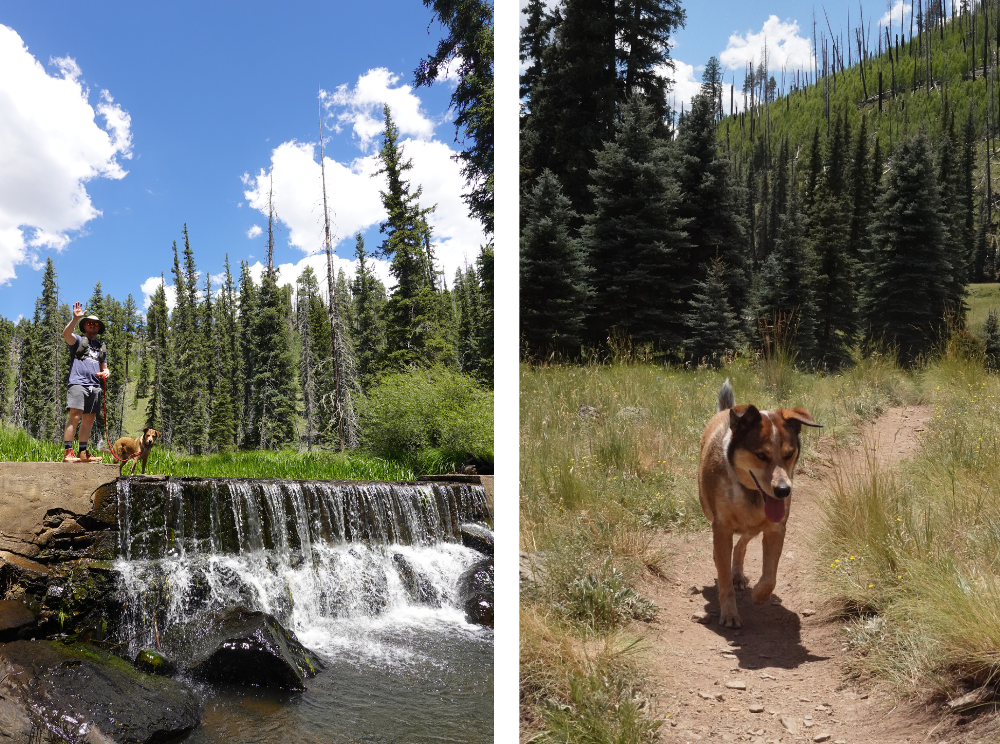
(762, 457)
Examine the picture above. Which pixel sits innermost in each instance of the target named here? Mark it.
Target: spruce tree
(953, 215)
(553, 274)
(413, 313)
(712, 327)
(249, 430)
(274, 381)
(709, 207)
(6, 368)
(633, 237)
(53, 358)
(643, 30)
(157, 333)
(991, 337)
(815, 168)
(909, 294)
(968, 166)
(369, 302)
(484, 271)
(785, 294)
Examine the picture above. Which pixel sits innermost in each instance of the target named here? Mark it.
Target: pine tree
(52, 352)
(249, 429)
(953, 215)
(709, 206)
(369, 302)
(274, 381)
(572, 104)
(553, 286)
(6, 368)
(967, 198)
(157, 331)
(633, 236)
(307, 288)
(484, 272)
(413, 313)
(815, 168)
(643, 30)
(909, 294)
(469, 44)
(786, 290)
(711, 323)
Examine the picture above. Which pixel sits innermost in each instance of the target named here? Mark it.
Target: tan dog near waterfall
(128, 448)
(744, 484)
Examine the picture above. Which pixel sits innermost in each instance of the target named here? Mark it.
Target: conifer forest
(842, 209)
(254, 365)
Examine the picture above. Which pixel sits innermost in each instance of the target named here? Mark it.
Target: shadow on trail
(770, 637)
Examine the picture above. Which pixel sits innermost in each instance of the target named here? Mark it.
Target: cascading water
(365, 574)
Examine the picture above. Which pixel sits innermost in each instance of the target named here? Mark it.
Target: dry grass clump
(914, 556)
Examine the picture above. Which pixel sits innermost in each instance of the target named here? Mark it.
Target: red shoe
(70, 456)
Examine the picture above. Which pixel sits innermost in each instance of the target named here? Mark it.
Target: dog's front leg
(722, 542)
(739, 553)
(774, 539)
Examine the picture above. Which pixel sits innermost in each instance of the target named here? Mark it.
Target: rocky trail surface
(781, 678)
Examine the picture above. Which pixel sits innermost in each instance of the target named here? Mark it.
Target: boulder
(153, 662)
(81, 693)
(239, 646)
(417, 586)
(477, 537)
(475, 592)
(14, 617)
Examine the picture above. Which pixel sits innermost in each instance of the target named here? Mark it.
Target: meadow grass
(600, 483)
(16, 445)
(912, 556)
(981, 299)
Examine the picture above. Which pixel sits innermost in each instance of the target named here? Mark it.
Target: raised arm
(68, 330)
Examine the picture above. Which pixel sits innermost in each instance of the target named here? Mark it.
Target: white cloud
(687, 84)
(254, 231)
(785, 48)
(900, 11)
(149, 289)
(51, 145)
(360, 107)
(354, 202)
(288, 273)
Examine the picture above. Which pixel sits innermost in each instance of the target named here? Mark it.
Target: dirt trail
(789, 653)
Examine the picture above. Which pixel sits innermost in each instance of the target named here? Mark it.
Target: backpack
(84, 346)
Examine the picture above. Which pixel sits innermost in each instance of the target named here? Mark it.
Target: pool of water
(414, 676)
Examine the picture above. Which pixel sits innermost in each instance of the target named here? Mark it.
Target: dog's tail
(727, 398)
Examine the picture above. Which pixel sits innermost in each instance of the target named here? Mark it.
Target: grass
(912, 556)
(600, 483)
(16, 445)
(981, 299)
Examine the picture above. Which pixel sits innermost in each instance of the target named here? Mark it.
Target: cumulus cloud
(288, 273)
(785, 47)
(687, 84)
(149, 289)
(900, 12)
(353, 188)
(254, 231)
(51, 146)
(360, 107)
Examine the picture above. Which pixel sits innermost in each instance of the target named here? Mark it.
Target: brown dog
(135, 448)
(745, 484)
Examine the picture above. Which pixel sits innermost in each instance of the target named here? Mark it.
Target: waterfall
(319, 556)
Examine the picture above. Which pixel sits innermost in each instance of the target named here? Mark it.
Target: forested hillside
(843, 208)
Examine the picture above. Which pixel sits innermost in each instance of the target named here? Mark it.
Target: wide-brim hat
(93, 318)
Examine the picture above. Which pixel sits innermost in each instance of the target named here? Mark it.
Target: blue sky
(120, 122)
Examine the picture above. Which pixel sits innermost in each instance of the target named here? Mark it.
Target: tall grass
(16, 445)
(608, 460)
(913, 556)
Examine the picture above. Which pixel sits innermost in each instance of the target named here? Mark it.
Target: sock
(69, 445)
(83, 447)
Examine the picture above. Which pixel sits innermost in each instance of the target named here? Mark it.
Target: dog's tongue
(774, 508)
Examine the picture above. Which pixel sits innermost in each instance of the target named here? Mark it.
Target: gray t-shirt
(84, 371)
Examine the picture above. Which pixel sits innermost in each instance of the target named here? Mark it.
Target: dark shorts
(84, 398)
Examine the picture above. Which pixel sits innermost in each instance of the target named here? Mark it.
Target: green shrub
(430, 416)
(604, 600)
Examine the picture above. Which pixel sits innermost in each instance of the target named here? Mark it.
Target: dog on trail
(745, 484)
(135, 448)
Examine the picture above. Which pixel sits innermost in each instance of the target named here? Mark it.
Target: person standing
(83, 396)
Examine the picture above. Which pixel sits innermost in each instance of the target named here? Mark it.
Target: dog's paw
(730, 619)
(761, 593)
(739, 581)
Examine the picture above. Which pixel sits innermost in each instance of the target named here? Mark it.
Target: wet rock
(153, 662)
(14, 617)
(477, 537)
(240, 646)
(418, 586)
(475, 592)
(81, 693)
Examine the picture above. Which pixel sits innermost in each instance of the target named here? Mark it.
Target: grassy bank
(599, 483)
(17, 446)
(912, 556)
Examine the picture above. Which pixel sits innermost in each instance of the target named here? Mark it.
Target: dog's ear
(145, 430)
(742, 419)
(798, 417)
